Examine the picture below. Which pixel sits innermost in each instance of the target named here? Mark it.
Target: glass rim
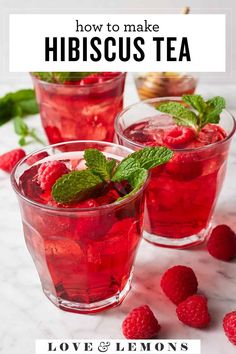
(151, 100)
(78, 210)
(97, 84)
(189, 75)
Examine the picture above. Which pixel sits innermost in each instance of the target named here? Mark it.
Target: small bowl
(164, 84)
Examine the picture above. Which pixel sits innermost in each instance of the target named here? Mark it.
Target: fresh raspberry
(229, 325)
(110, 197)
(10, 159)
(222, 243)
(211, 133)
(179, 137)
(194, 312)
(49, 172)
(178, 283)
(109, 75)
(91, 79)
(184, 167)
(140, 324)
(37, 157)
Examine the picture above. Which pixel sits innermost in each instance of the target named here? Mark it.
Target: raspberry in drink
(182, 194)
(80, 109)
(82, 220)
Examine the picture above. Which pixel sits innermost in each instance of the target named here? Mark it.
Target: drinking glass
(182, 194)
(79, 112)
(84, 256)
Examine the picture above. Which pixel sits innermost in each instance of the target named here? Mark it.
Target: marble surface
(26, 314)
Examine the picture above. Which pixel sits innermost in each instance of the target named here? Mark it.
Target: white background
(122, 6)
(28, 33)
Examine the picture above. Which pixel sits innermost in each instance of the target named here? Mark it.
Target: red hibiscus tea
(82, 109)
(182, 194)
(84, 252)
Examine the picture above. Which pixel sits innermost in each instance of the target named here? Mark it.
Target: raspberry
(49, 172)
(110, 197)
(229, 325)
(140, 324)
(37, 157)
(222, 243)
(110, 74)
(183, 167)
(194, 312)
(10, 159)
(179, 137)
(178, 283)
(210, 134)
(90, 79)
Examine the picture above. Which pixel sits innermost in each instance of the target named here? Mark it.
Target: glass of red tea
(182, 193)
(84, 252)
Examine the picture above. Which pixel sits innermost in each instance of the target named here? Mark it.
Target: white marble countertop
(26, 314)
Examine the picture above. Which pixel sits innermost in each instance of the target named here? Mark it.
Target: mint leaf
(98, 164)
(19, 103)
(6, 109)
(79, 75)
(61, 77)
(205, 111)
(216, 104)
(28, 107)
(213, 110)
(44, 76)
(150, 157)
(195, 101)
(146, 158)
(181, 115)
(136, 179)
(125, 168)
(75, 185)
(22, 129)
(22, 141)
(110, 166)
(22, 95)
(78, 185)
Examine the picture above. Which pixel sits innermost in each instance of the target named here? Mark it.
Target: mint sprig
(98, 164)
(78, 185)
(75, 185)
(60, 77)
(22, 102)
(202, 113)
(136, 179)
(147, 158)
(15, 106)
(24, 132)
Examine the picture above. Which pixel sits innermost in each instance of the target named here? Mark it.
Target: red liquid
(81, 256)
(80, 111)
(182, 194)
